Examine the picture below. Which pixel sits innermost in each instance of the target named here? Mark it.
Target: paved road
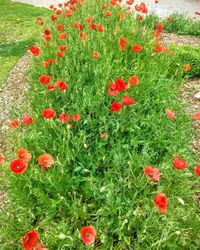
(167, 7)
(163, 8)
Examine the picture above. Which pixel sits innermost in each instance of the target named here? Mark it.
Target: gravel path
(189, 96)
(170, 38)
(11, 100)
(11, 97)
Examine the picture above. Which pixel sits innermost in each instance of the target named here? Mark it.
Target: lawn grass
(100, 181)
(17, 32)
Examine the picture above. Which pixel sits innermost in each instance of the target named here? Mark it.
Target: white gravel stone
(197, 96)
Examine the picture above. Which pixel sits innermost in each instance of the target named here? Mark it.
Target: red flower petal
(18, 166)
(76, 117)
(116, 107)
(180, 163)
(128, 100)
(48, 113)
(64, 118)
(152, 173)
(30, 240)
(160, 200)
(197, 170)
(88, 235)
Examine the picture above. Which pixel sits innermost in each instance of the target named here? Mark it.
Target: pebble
(197, 96)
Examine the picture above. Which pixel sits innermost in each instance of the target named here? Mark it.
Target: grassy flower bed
(104, 108)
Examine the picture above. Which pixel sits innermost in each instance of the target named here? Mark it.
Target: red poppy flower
(88, 235)
(27, 120)
(46, 161)
(122, 43)
(58, 12)
(137, 7)
(78, 26)
(1, 159)
(89, 19)
(44, 79)
(48, 113)
(133, 80)
(95, 55)
(159, 48)
(168, 19)
(68, 13)
(34, 50)
(187, 67)
(64, 118)
(159, 27)
(30, 240)
(127, 101)
(152, 173)
(113, 2)
(180, 163)
(54, 18)
(76, 117)
(143, 8)
(83, 36)
(60, 27)
(60, 54)
(51, 60)
(197, 170)
(196, 116)
(108, 13)
(14, 124)
(161, 201)
(41, 23)
(47, 38)
(170, 114)
(104, 7)
(62, 36)
(130, 2)
(100, 28)
(104, 135)
(93, 26)
(47, 32)
(61, 85)
(72, 8)
(18, 166)
(24, 154)
(136, 48)
(116, 107)
(120, 85)
(62, 47)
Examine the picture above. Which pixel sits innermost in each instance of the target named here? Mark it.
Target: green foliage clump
(188, 55)
(182, 25)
